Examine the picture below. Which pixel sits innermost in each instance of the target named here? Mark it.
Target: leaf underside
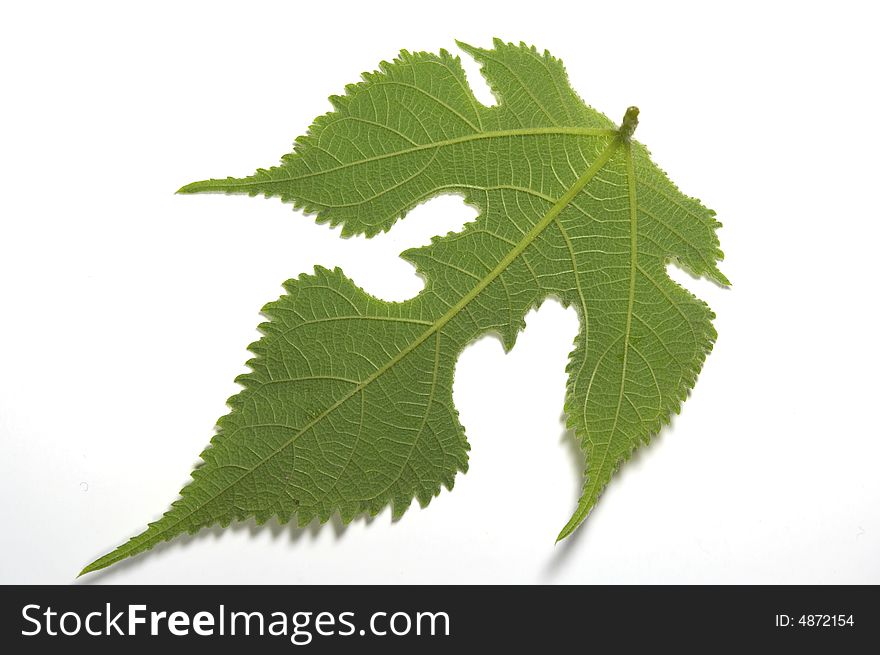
(347, 407)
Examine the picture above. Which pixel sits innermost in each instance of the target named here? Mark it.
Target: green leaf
(348, 405)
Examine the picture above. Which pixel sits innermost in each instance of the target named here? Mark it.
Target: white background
(126, 309)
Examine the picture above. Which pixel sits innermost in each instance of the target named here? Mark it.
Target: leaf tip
(104, 561)
(722, 278)
(565, 532)
(570, 527)
(194, 187)
(468, 48)
(716, 275)
(88, 569)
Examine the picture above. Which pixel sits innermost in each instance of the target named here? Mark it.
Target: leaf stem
(629, 124)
